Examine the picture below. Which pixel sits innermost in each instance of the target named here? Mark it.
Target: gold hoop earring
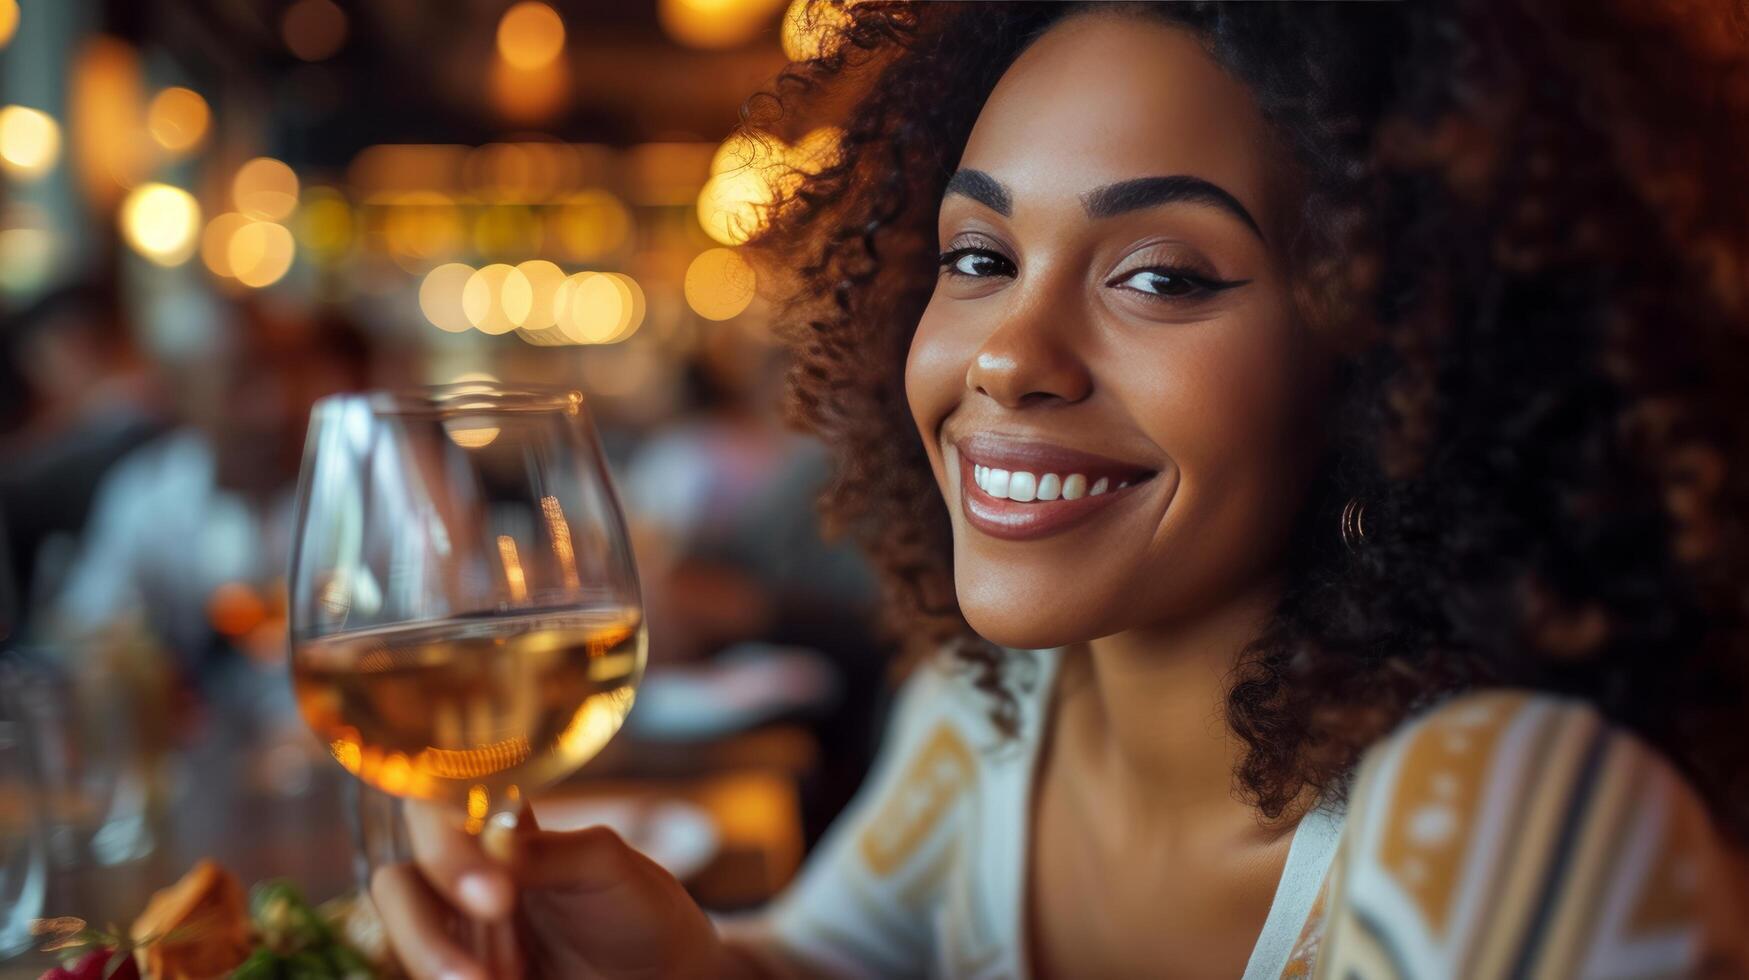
(1354, 523)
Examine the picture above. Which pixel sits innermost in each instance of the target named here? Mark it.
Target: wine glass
(466, 624)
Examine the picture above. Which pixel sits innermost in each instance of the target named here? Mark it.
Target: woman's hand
(554, 904)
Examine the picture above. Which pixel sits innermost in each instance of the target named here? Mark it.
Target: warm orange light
(809, 29)
(593, 308)
(8, 21)
(513, 574)
(423, 225)
(215, 243)
(325, 223)
(591, 224)
(529, 94)
(719, 284)
(234, 609)
(161, 223)
(544, 279)
(30, 142)
(177, 119)
(470, 432)
(265, 188)
(715, 24)
(732, 206)
(507, 230)
(632, 315)
(497, 299)
(440, 296)
(530, 35)
(260, 253)
(106, 113)
(313, 29)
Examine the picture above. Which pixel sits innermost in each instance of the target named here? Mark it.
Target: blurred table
(229, 800)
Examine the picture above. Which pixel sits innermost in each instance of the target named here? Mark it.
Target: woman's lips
(1047, 502)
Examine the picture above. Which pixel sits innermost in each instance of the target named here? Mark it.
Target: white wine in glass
(466, 620)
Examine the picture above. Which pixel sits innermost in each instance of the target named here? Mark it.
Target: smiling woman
(1307, 452)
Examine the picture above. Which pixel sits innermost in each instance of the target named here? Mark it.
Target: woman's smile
(1018, 488)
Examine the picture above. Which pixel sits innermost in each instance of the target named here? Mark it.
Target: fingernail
(483, 894)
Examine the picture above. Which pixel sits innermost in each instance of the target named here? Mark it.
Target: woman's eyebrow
(1146, 192)
(1111, 199)
(983, 188)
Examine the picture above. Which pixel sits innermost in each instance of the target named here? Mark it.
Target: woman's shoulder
(1515, 831)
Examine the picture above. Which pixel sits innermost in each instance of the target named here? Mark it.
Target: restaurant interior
(214, 213)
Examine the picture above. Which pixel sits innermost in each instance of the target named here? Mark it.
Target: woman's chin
(1024, 628)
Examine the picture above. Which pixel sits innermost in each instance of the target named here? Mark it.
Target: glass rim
(465, 398)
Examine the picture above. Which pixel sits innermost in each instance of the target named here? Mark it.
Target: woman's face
(1119, 405)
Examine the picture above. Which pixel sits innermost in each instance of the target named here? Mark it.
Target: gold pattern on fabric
(937, 776)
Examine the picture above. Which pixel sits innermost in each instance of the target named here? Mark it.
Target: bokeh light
(260, 253)
(8, 21)
(808, 28)
(632, 317)
(314, 30)
(178, 119)
(530, 35)
(30, 142)
(591, 224)
(106, 111)
(544, 279)
(719, 284)
(440, 296)
(814, 152)
(594, 307)
(497, 298)
(423, 226)
(161, 223)
(748, 173)
(215, 242)
(528, 94)
(715, 24)
(29, 247)
(507, 230)
(265, 188)
(325, 226)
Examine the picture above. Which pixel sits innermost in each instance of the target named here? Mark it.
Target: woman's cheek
(932, 385)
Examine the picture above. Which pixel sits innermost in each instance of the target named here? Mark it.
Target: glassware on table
(466, 621)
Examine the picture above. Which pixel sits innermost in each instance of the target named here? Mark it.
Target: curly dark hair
(1529, 232)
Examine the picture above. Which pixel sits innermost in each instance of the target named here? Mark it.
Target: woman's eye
(975, 262)
(1168, 282)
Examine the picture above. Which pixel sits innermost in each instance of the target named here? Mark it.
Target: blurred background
(212, 213)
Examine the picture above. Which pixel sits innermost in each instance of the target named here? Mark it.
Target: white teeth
(1024, 486)
(996, 484)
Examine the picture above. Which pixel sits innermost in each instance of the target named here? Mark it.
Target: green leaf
(308, 965)
(263, 964)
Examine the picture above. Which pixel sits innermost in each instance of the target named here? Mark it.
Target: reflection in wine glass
(465, 613)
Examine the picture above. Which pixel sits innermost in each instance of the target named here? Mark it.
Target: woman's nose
(1028, 359)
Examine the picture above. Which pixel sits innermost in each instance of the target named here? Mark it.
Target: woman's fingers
(453, 861)
(591, 859)
(417, 923)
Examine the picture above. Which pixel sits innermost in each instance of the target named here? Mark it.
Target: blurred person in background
(84, 399)
(1308, 443)
(190, 535)
(736, 570)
